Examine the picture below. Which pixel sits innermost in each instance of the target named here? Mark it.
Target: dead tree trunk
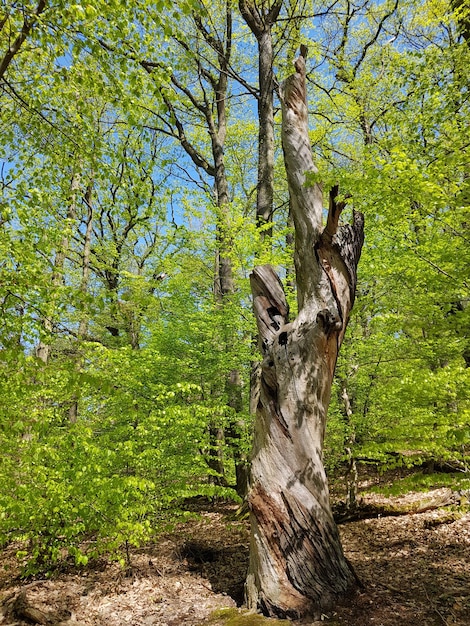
(297, 567)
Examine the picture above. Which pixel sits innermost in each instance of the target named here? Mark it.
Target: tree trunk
(297, 567)
(351, 476)
(260, 19)
(224, 285)
(265, 191)
(43, 349)
(84, 316)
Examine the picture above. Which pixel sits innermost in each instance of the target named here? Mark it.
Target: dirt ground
(415, 571)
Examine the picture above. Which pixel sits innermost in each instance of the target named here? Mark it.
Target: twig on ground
(435, 609)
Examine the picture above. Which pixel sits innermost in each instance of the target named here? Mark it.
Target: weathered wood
(22, 609)
(269, 303)
(19, 607)
(390, 507)
(297, 567)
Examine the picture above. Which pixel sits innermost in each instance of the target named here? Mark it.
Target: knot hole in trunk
(329, 321)
(274, 312)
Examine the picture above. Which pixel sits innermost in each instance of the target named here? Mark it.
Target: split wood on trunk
(297, 566)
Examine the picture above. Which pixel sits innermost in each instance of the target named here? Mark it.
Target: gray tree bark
(260, 18)
(297, 566)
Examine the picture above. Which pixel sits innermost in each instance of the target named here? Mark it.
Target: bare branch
(375, 37)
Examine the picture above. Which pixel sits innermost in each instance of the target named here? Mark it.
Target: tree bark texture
(260, 18)
(297, 567)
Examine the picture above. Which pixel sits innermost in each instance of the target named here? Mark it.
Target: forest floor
(414, 568)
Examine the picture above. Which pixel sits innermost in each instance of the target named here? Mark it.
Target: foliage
(420, 481)
(107, 480)
(114, 351)
(404, 364)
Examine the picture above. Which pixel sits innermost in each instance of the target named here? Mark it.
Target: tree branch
(334, 213)
(251, 17)
(25, 30)
(274, 12)
(375, 37)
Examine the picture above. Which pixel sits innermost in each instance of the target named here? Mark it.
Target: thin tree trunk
(265, 191)
(43, 349)
(351, 471)
(297, 567)
(224, 286)
(83, 325)
(215, 458)
(212, 106)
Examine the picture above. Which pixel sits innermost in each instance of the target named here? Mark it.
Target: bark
(265, 191)
(297, 567)
(260, 19)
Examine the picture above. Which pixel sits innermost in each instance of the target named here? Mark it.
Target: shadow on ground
(225, 567)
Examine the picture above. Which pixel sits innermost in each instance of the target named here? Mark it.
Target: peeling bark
(297, 567)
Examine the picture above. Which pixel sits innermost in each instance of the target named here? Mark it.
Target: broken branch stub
(269, 303)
